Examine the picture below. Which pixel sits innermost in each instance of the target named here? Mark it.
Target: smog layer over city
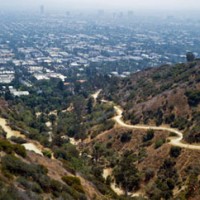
(99, 100)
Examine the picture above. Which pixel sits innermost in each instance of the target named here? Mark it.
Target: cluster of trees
(180, 123)
(193, 185)
(167, 179)
(193, 135)
(193, 97)
(126, 173)
(87, 118)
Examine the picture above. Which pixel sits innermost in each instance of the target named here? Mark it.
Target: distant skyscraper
(101, 12)
(130, 13)
(121, 14)
(42, 9)
(68, 13)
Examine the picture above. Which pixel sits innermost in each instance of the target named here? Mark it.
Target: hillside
(146, 163)
(163, 171)
(114, 144)
(28, 174)
(34, 167)
(168, 95)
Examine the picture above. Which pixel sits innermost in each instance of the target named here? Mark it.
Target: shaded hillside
(165, 95)
(27, 175)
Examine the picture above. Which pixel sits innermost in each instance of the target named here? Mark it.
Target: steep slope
(25, 173)
(142, 154)
(166, 95)
(158, 162)
(141, 158)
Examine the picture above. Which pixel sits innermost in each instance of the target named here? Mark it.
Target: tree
(126, 137)
(126, 174)
(149, 173)
(52, 118)
(167, 178)
(175, 151)
(89, 105)
(60, 85)
(193, 97)
(8, 96)
(98, 150)
(190, 57)
(149, 135)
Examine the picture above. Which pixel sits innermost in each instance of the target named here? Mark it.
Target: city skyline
(97, 4)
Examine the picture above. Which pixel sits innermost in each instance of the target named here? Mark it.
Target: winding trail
(95, 95)
(175, 141)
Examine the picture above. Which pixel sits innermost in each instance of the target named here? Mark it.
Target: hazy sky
(103, 4)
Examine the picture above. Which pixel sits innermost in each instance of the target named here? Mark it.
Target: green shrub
(61, 153)
(16, 166)
(167, 178)
(35, 187)
(78, 188)
(24, 182)
(68, 166)
(74, 182)
(18, 140)
(2, 132)
(109, 145)
(44, 182)
(149, 173)
(10, 193)
(28, 185)
(6, 146)
(159, 143)
(10, 148)
(46, 153)
(56, 186)
(172, 134)
(70, 180)
(20, 150)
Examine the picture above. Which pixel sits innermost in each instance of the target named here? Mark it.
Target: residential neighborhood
(32, 48)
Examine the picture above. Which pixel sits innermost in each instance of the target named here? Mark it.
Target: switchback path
(175, 141)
